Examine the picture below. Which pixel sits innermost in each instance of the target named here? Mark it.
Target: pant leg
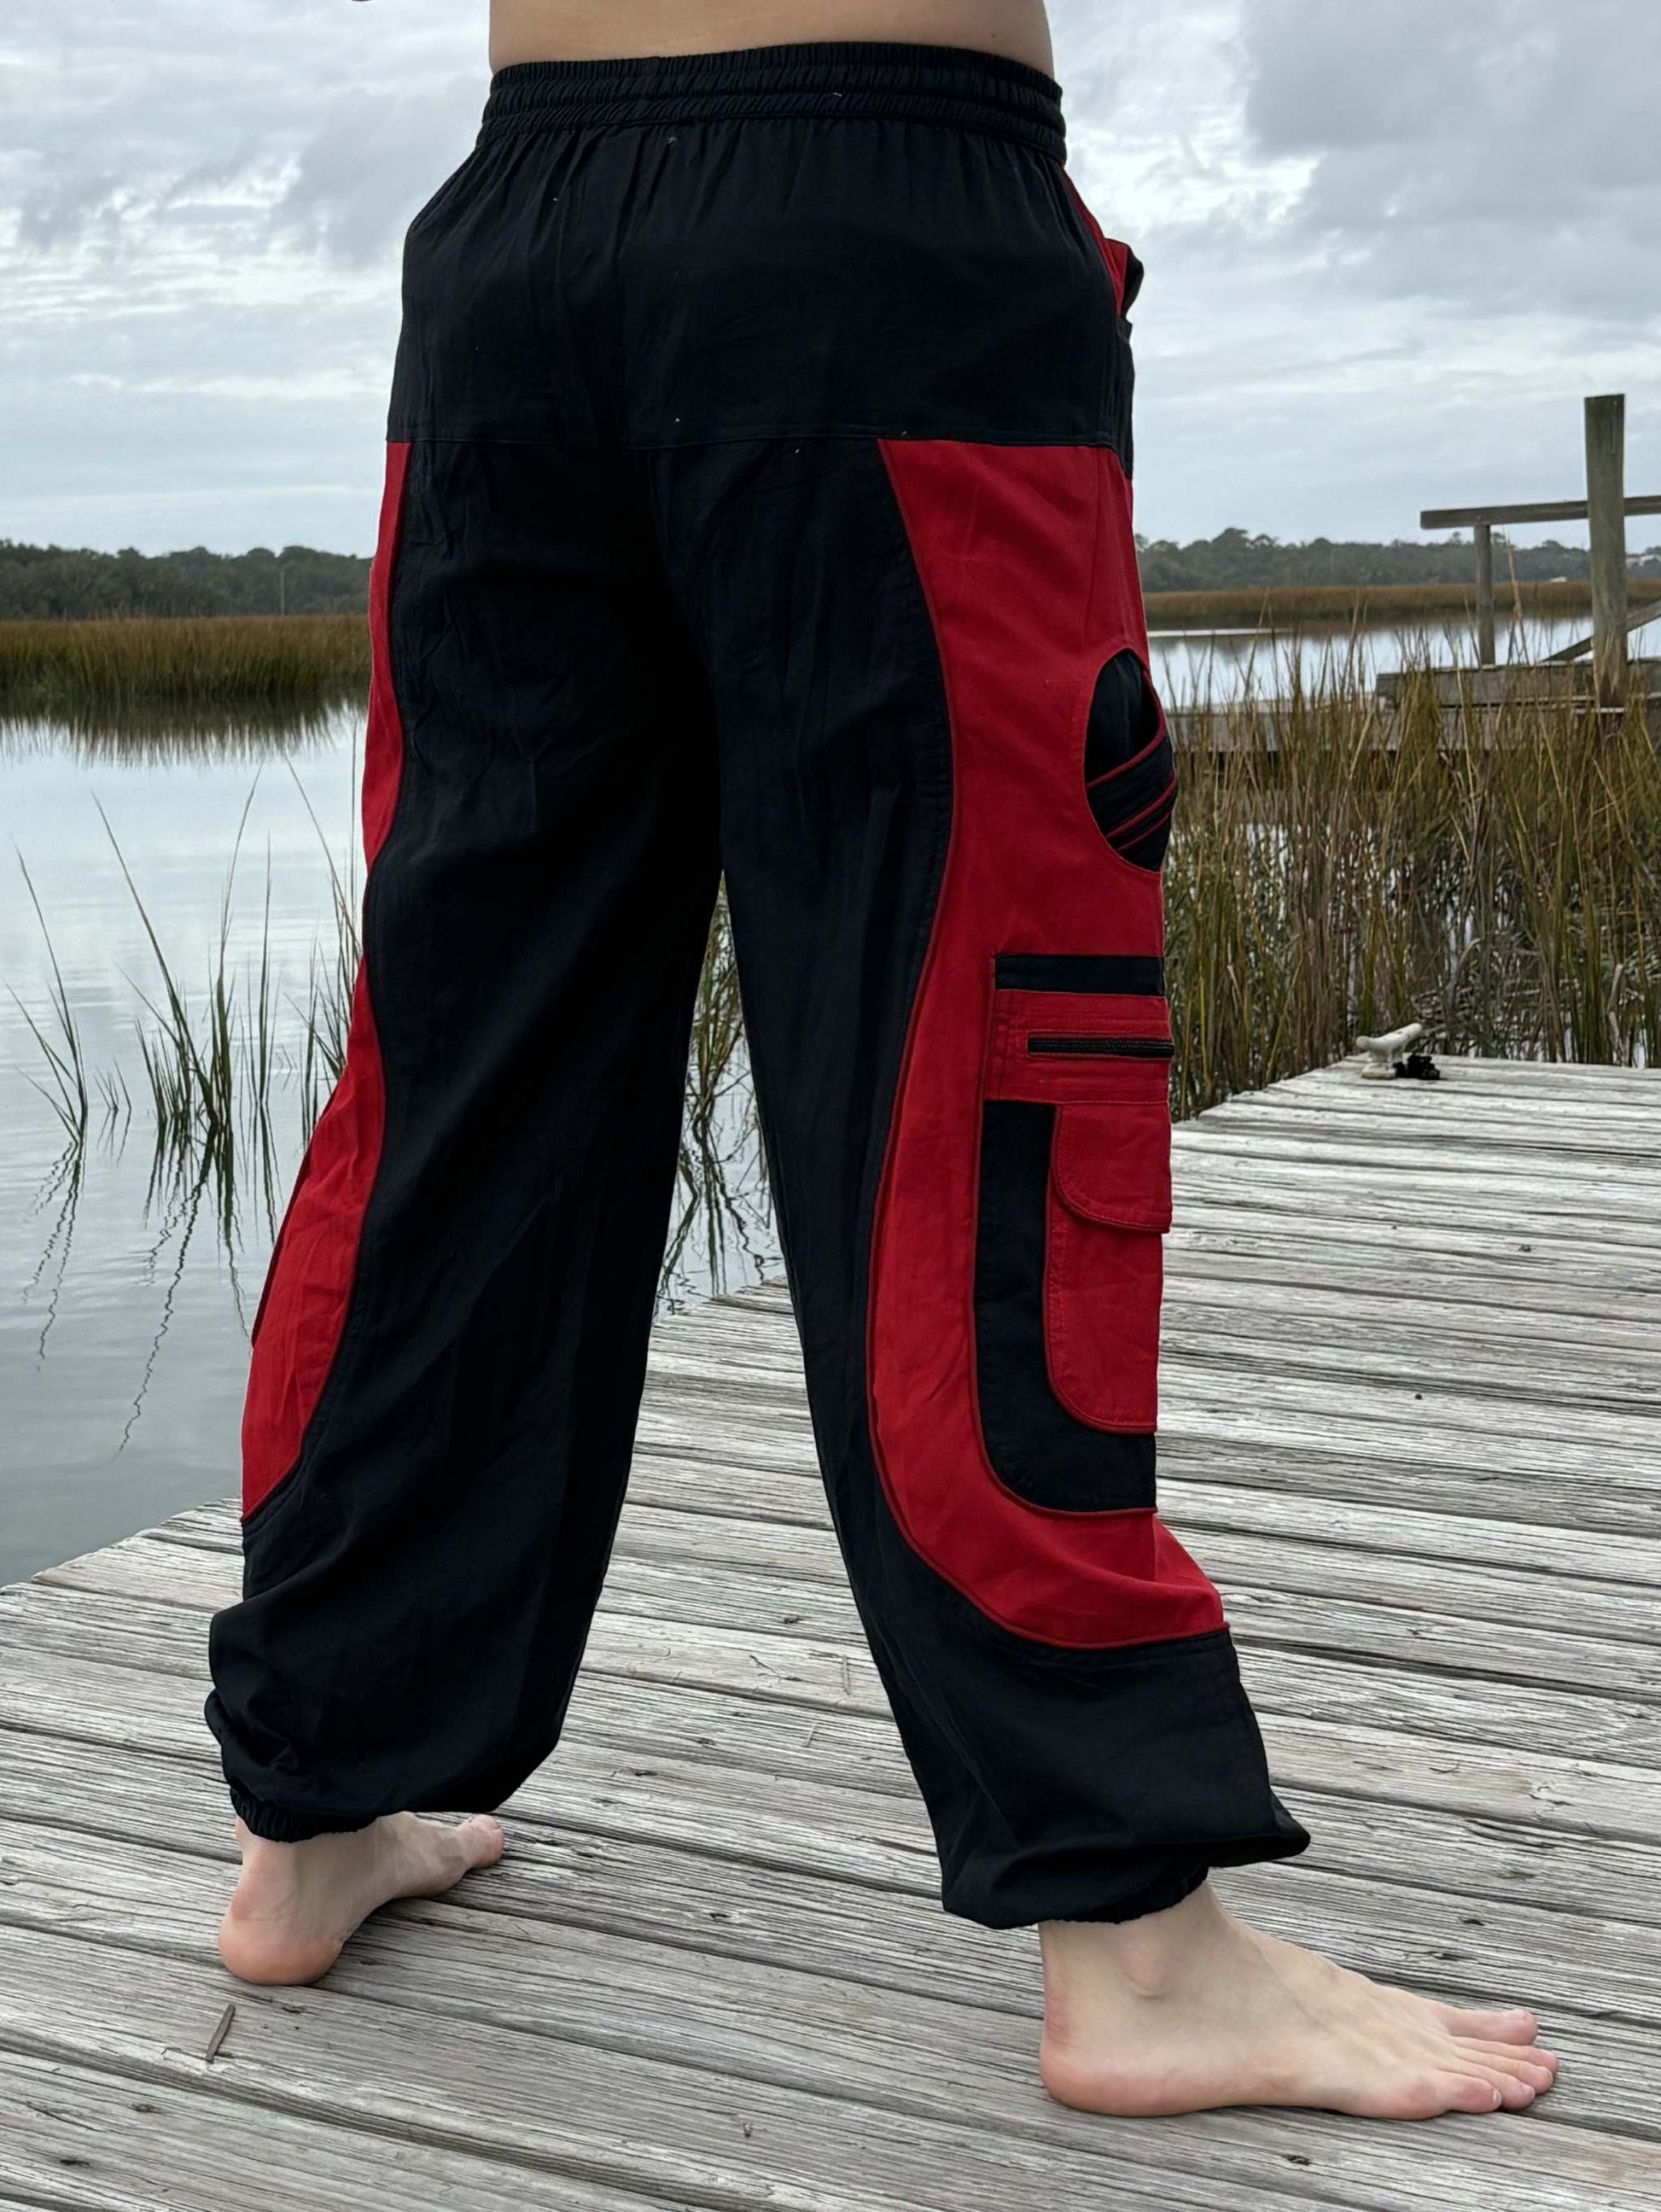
(450, 1346)
(945, 786)
(840, 304)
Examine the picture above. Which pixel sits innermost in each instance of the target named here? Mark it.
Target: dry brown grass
(107, 676)
(1334, 605)
(1334, 871)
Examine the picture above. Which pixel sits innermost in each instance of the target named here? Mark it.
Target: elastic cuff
(276, 1826)
(1159, 1895)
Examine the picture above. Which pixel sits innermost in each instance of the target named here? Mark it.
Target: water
(1220, 665)
(122, 1342)
(123, 1337)
(124, 1305)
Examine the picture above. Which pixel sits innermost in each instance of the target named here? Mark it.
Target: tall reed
(64, 1085)
(723, 1219)
(1337, 870)
(234, 1073)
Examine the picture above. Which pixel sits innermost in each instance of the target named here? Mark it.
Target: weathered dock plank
(1412, 1380)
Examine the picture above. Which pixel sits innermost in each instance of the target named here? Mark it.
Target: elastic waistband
(956, 86)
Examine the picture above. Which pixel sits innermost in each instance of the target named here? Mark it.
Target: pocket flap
(1112, 1164)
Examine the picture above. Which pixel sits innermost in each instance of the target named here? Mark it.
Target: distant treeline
(52, 582)
(1238, 559)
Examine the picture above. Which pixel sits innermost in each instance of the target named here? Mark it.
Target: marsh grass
(153, 679)
(1278, 608)
(211, 1064)
(723, 1214)
(1335, 870)
(234, 1073)
(64, 1082)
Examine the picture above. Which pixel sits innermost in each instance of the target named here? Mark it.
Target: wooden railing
(1605, 508)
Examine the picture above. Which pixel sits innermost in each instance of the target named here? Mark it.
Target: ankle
(1147, 1960)
(269, 1870)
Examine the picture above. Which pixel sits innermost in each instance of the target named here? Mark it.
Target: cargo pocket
(1075, 1190)
(1110, 1205)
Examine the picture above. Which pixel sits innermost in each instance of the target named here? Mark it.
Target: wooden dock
(1413, 1373)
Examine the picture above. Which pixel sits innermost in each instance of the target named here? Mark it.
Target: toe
(483, 1839)
(1515, 2093)
(1472, 2093)
(1518, 2070)
(1536, 2065)
(1511, 2071)
(1514, 2027)
(432, 1855)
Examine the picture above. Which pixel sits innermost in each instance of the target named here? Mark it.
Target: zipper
(1117, 1048)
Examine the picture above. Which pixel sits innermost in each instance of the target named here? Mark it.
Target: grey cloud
(1498, 153)
(133, 124)
(364, 171)
(1389, 244)
(65, 210)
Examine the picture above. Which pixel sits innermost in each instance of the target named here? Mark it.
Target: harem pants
(757, 502)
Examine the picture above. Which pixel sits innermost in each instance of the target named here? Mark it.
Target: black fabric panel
(1129, 974)
(417, 1590)
(1146, 1761)
(842, 80)
(796, 580)
(1147, 843)
(1035, 1446)
(758, 275)
(1102, 1047)
(1129, 767)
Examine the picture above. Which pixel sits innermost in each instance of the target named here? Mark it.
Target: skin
(1176, 2012)
(592, 30)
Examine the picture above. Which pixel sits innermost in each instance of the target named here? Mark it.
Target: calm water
(1195, 665)
(123, 1316)
(121, 1337)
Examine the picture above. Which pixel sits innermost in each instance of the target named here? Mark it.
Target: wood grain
(1410, 1391)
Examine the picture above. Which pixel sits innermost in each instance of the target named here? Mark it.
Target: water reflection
(136, 737)
(166, 1038)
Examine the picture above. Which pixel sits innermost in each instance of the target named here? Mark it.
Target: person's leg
(944, 792)
(451, 1340)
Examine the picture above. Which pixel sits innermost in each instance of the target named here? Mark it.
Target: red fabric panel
(1014, 1071)
(1110, 1197)
(1112, 1164)
(1028, 567)
(1115, 252)
(1101, 1301)
(302, 1307)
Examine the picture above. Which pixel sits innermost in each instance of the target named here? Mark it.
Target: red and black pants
(757, 504)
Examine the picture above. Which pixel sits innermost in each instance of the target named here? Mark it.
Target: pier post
(1606, 513)
(1482, 537)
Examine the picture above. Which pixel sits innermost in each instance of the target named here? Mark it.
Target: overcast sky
(1389, 246)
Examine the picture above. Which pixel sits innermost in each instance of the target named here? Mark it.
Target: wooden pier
(1413, 1373)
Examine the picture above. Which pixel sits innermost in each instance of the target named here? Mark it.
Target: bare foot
(295, 1904)
(1182, 2010)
